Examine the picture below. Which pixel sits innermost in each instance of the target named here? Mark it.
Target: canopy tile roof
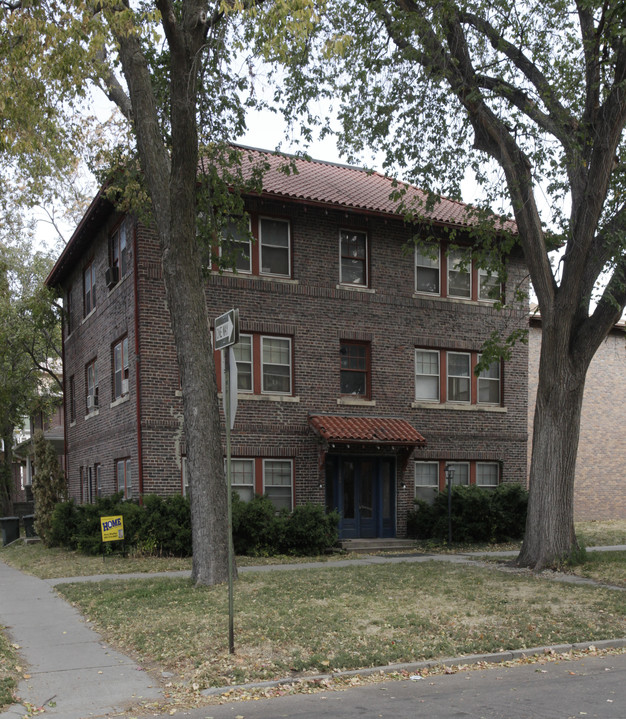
(375, 430)
(348, 187)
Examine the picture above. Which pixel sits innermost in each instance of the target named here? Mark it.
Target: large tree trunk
(550, 535)
(6, 471)
(171, 179)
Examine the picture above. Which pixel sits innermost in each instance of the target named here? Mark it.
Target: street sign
(227, 329)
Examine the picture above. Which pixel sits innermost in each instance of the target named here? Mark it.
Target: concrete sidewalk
(73, 674)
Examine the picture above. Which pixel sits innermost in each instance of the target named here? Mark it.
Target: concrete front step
(367, 546)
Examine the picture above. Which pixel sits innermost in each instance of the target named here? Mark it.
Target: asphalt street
(592, 687)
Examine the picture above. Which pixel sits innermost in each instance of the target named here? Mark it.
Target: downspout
(137, 364)
(65, 412)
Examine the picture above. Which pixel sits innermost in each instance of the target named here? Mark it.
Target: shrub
(49, 485)
(309, 530)
(165, 527)
(509, 503)
(477, 514)
(256, 529)
(420, 521)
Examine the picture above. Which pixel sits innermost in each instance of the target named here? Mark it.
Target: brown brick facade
(315, 313)
(599, 484)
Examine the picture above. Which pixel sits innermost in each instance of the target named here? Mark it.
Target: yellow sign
(112, 528)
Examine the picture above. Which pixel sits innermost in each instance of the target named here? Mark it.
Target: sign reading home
(112, 528)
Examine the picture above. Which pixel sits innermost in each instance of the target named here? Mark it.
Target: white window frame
(455, 479)
(489, 280)
(126, 480)
(234, 475)
(264, 338)
(272, 460)
(263, 244)
(235, 230)
(122, 369)
(89, 295)
(427, 264)
(364, 260)
(456, 258)
(450, 377)
(417, 486)
(482, 378)
(483, 484)
(92, 385)
(241, 363)
(438, 375)
(184, 476)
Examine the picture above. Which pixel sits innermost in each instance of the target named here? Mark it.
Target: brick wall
(599, 489)
(316, 313)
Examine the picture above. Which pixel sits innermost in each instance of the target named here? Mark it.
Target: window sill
(250, 276)
(460, 407)
(454, 300)
(356, 288)
(242, 397)
(356, 402)
(86, 317)
(120, 400)
(93, 413)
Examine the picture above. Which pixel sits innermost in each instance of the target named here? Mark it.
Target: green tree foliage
(30, 342)
(49, 485)
(531, 98)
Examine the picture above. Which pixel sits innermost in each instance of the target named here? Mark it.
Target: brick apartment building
(355, 381)
(599, 483)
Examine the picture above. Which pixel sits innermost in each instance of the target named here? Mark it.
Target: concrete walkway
(73, 674)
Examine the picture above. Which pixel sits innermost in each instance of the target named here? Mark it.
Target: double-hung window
(120, 369)
(277, 482)
(72, 400)
(489, 288)
(235, 248)
(353, 252)
(89, 287)
(92, 386)
(489, 384)
(459, 274)
(274, 246)
(426, 481)
(459, 377)
(123, 477)
(427, 375)
(119, 251)
(427, 269)
(243, 356)
(242, 478)
(487, 474)
(355, 369)
(461, 473)
(276, 365)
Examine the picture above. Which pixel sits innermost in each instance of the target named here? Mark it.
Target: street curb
(413, 667)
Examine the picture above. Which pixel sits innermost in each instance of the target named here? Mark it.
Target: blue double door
(363, 490)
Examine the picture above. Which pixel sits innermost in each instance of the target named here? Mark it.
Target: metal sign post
(226, 335)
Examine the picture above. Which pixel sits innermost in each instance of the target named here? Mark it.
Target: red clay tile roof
(346, 187)
(381, 430)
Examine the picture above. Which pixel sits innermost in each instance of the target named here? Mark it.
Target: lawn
(328, 619)
(331, 619)
(9, 670)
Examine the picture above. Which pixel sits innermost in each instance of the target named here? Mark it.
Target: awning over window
(366, 430)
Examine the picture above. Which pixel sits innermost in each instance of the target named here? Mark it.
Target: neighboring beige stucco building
(600, 489)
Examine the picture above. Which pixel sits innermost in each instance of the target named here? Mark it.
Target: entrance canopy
(366, 430)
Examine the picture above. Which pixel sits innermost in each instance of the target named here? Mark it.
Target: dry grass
(52, 563)
(342, 618)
